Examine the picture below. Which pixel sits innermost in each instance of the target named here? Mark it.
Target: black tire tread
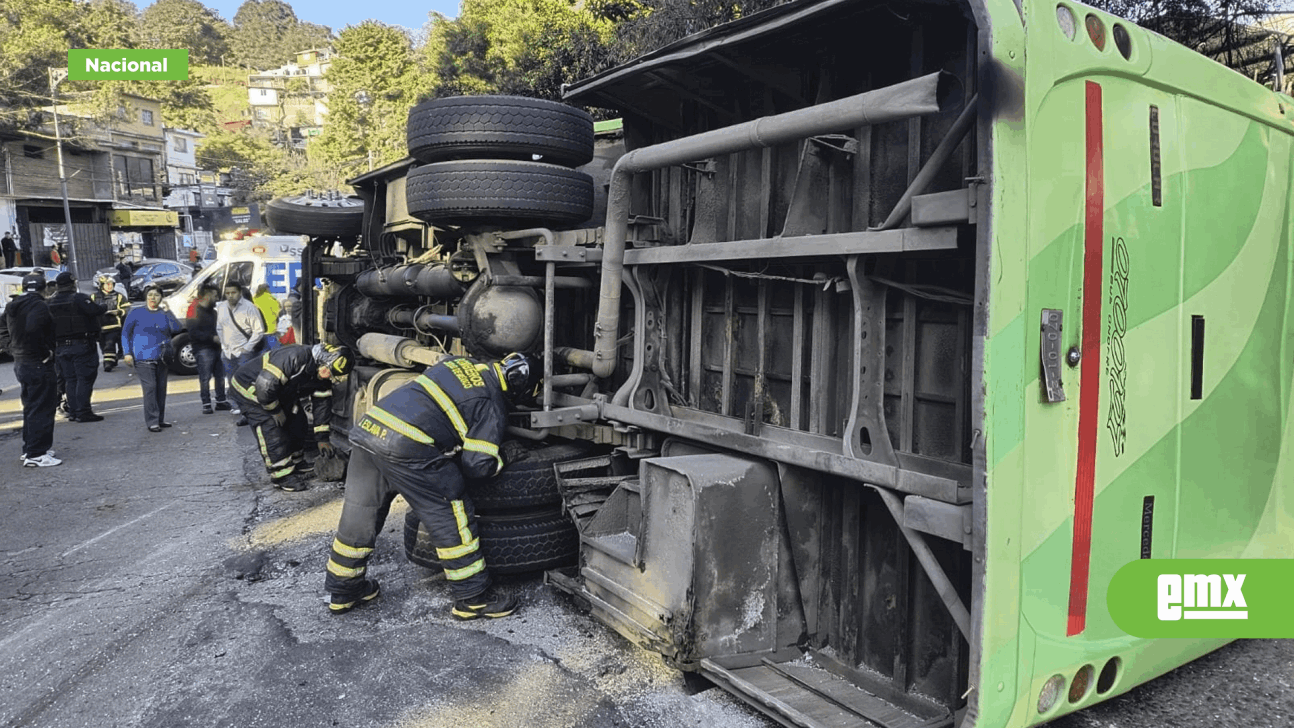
(289, 217)
(515, 544)
(528, 482)
(473, 190)
(485, 127)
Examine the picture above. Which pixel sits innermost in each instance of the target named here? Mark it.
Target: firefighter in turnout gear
(269, 389)
(118, 306)
(424, 441)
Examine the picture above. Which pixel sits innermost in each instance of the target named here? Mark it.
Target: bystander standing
(206, 349)
(146, 339)
(241, 330)
(10, 249)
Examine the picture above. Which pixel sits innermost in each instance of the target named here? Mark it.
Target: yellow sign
(143, 218)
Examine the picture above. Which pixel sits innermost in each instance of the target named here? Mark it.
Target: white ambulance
(274, 260)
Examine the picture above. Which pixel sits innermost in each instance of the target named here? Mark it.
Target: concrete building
(115, 170)
(293, 98)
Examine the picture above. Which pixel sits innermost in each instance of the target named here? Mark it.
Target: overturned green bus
(880, 335)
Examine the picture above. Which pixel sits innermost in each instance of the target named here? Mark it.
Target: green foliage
(374, 82)
(645, 25)
(267, 34)
(527, 47)
(227, 89)
(185, 24)
(1220, 29)
(248, 155)
(185, 104)
(35, 36)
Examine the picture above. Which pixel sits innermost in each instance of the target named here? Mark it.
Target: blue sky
(337, 14)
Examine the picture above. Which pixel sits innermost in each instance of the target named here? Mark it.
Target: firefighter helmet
(337, 358)
(103, 278)
(522, 374)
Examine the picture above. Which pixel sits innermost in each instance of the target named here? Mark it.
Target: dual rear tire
(520, 519)
(499, 158)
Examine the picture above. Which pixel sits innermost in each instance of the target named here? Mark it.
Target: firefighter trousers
(110, 343)
(436, 492)
(281, 447)
(363, 512)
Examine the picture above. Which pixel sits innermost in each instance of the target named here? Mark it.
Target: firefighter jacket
(279, 378)
(76, 317)
(118, 306)
(455, 406)
(30, 328)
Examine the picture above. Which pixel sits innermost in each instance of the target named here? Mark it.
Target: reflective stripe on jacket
(280, 377)
(456, 406)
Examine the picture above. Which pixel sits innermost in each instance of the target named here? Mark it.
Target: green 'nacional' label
(1204, 598)
(115, 64)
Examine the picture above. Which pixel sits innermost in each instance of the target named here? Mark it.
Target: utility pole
(56, 76)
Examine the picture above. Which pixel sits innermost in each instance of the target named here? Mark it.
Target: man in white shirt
(241, 329)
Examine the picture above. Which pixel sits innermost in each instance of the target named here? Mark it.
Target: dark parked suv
(167, 274)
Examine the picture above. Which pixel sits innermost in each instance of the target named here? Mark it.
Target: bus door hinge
(1052, 387)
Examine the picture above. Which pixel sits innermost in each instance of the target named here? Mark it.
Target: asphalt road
(157, 580)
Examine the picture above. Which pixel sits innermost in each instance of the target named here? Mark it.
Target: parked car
(168, 274)
(11, 281)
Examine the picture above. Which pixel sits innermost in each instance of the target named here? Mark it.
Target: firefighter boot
(492, 604)
(292, 482)
(343, 603)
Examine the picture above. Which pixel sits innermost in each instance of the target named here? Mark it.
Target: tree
(528, 47)
(249, 157)
(35, 36)
(374, 81)
(267, 34)
(185, 24)
(645, 25)
(1224, 30)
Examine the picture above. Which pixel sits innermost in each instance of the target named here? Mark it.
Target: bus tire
(316, 216)
(185, 361)
(499, 127)
(512, 544)
(477, 190)
(527, 482)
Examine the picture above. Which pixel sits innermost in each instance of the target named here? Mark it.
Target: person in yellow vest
(269, 307)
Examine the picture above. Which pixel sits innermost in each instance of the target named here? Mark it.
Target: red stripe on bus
(1090, 375)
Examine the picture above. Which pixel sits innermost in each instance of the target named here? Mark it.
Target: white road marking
(114, 529)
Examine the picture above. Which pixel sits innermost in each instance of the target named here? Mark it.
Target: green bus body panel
(1219, 468)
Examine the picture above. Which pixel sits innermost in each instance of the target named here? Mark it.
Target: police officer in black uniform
(269, 389)
(29, 336)
(110, 323)
(423, 440)
(76, 340)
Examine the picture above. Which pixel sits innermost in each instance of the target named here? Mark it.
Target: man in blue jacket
(146, 340)
(423, 441)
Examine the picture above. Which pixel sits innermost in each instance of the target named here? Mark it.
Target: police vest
(69, 321)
